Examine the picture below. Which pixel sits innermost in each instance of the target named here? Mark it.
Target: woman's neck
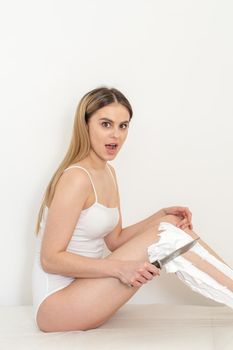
(95, 162)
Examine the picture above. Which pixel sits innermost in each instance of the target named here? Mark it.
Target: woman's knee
(173, 219)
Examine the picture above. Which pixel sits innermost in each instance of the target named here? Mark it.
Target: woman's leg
(88, 303)
(200, 268)
(207, 267)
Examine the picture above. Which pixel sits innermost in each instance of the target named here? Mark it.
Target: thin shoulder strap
(80, 167)
(112, 175)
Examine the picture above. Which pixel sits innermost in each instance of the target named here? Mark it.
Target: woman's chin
(110, 157)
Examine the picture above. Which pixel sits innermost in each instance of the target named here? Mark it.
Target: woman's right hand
(135, 273)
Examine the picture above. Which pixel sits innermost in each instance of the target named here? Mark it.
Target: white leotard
(93, 225)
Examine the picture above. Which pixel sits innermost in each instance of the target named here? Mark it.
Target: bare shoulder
(74, 181)
(76, 175)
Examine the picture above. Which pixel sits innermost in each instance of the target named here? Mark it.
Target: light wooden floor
(156, 326)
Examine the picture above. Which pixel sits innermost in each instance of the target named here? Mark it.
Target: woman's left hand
(183, 213)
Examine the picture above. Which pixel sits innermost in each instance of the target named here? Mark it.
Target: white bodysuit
(93, 225)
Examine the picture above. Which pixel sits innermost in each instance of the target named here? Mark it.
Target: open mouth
(111, 146)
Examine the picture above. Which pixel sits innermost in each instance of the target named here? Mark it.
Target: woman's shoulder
(75, 177)
(78, 165)
(78, 168)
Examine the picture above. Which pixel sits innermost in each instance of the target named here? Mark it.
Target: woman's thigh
(88, 302)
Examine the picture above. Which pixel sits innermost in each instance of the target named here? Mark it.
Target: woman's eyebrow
(111, 121)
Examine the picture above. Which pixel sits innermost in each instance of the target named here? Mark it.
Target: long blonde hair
(80, 143)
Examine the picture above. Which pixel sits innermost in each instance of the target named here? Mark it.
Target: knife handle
(157, 264)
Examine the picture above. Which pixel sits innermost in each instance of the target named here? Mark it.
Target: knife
(173, 255)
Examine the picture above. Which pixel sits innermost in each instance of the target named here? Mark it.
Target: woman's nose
(116, 132)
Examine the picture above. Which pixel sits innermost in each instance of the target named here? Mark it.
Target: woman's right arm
(70, 196)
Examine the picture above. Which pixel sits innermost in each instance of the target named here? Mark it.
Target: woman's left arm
(121, 235)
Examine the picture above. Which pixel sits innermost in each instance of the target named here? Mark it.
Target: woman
(74, 287)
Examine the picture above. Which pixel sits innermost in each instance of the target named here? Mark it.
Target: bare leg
(204, 265)
(200, 268)
(207, 267)
(88, 303)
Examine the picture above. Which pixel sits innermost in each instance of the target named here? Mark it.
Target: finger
(155, 272)
(191, 226)
(182, 222)
(188, 214)
(189, 219)
(152, 269)
(148, 275)
(137, 284)
(188, 225)
(184, 227)
(141, 279)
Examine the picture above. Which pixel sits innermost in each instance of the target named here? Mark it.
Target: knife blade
(160, 262)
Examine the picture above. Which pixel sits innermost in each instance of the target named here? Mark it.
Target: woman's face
(108, 128)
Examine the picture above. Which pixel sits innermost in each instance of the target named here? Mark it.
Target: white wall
(173, 60)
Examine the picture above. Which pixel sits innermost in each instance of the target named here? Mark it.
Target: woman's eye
(106, 124)
(124, 126)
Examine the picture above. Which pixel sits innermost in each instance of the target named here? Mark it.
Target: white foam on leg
(172, 238)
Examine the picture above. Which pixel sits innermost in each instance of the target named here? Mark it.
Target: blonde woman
(74, 286)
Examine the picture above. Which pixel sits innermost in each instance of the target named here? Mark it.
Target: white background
(173, 60)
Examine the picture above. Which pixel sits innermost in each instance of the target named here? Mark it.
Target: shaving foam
(172, 238)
